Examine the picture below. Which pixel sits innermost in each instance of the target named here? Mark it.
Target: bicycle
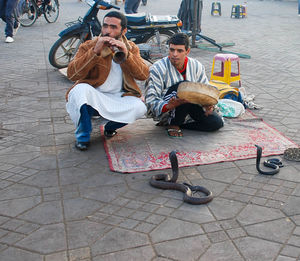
(27, 11)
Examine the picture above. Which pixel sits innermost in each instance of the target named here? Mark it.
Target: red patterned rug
(142, 146)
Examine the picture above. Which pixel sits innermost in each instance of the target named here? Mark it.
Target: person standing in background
(131, 6)
(7, 15)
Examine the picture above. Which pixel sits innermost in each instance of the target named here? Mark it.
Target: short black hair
(180, 39)
(118, 15)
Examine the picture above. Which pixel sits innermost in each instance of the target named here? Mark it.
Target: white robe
(106, 99)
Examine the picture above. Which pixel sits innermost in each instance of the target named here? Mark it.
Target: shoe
(16, 29)
(81, 145)
(110, 133)
(9, 39)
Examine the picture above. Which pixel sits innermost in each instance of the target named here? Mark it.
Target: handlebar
(101, 4)
(105, 6)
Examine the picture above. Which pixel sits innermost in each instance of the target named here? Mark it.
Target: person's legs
(202, 122)
(84, 128)
(16, 24)
(9, 17)
(128, 6)
(2, 9)
(112, 125)
(180, 114)
(136, 6)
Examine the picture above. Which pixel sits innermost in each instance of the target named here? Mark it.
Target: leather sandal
(177, 131)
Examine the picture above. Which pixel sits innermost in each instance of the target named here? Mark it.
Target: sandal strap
(174, 130)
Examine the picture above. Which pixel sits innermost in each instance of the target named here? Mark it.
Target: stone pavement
(59, 204)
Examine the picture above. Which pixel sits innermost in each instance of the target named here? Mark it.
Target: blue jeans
(7, 15)
(84, 128)
(131, 6)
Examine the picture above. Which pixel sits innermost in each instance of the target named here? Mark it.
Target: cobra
(164, 181)
(275, 164)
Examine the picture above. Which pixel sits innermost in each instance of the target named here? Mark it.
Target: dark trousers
(7, 15)
(84, 128)
(131, 6)
(201, 122)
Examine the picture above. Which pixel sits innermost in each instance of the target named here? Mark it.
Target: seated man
(161, 99)
(103, 87)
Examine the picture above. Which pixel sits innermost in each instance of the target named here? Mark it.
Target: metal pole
(194, 24)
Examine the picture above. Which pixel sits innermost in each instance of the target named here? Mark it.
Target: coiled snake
(164, 181)
(275, 164)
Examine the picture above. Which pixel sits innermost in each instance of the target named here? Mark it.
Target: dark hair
(119, 16)
(180, 39)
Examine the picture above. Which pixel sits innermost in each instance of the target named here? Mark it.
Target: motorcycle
(149, 32)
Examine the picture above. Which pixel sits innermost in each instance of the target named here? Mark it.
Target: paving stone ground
(59, 204)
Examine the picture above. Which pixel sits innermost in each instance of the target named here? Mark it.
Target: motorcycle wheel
(159, 47)
(64, 50)
(26, 13)
(51, 11)
(144, 2)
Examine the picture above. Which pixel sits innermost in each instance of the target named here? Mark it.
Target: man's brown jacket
(88, 67)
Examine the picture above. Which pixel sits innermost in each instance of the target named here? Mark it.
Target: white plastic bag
(230, 108)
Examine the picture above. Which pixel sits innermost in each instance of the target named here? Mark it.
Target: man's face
(177, 54)
(112, 27)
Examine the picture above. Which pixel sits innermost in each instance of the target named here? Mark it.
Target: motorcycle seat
(136, 19)
(164, 19)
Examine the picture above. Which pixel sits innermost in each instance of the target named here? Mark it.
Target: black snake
(164, 181)
(275, 164)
